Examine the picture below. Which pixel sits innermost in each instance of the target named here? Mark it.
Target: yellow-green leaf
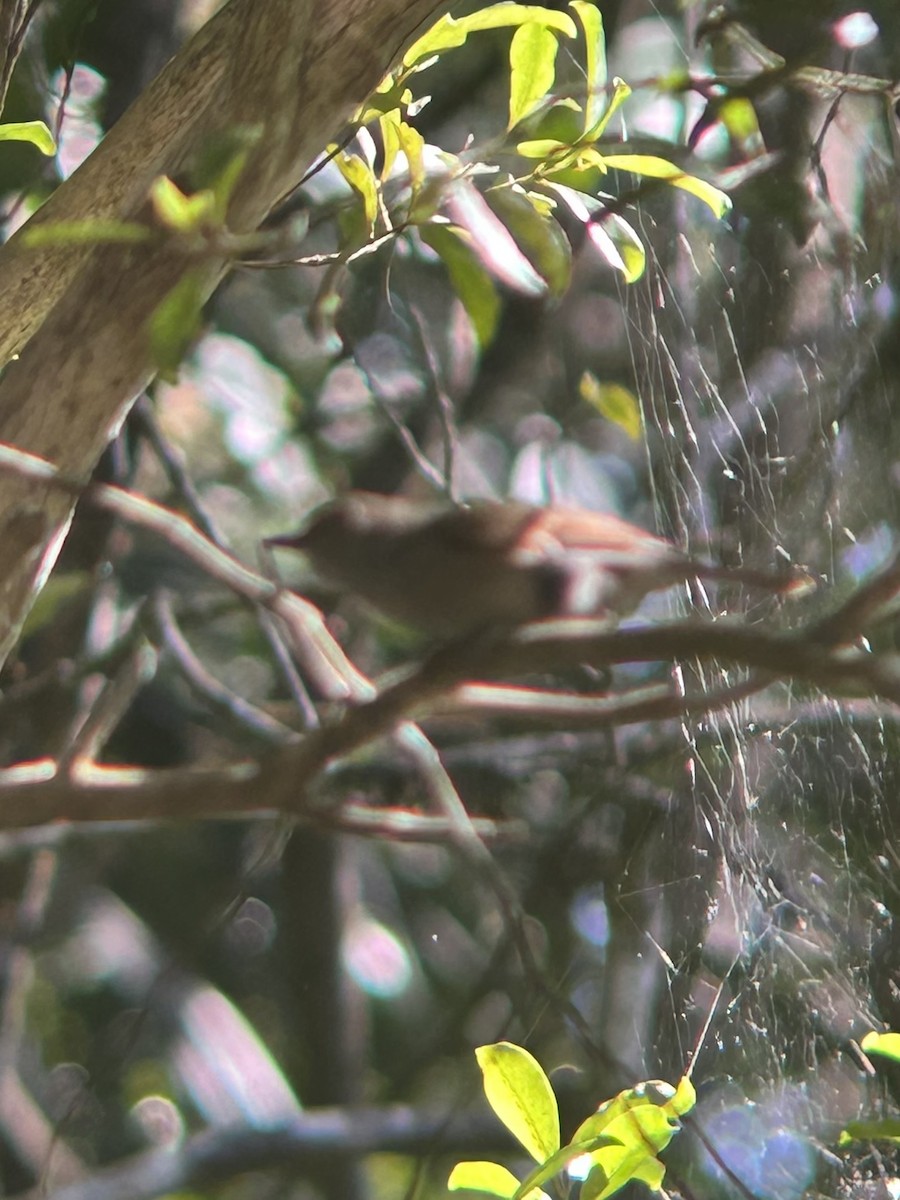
(621, 92)
(620, 1166)
(595, 60)
(684, 1099)
(532, 62)
(612, 401)
(887, 1044)
(35, 132)
(520, 1094)
(450, 32)
(389, 123)
(652, 167)
(361, 178)
(738, 116)
(646, 1127)
(178, 211)
(487, 1177)
(413, 146)
(540, 148)
(614, 238)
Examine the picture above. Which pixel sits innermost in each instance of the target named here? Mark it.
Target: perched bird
(451, 571)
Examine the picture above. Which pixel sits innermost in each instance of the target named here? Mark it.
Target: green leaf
(542, 148)
(391, 96)
(413, 146)
(651, 167)
(595, 60)
(621, 92)
(51, 599)
(617, 242)
(532, 62)
(179, 212)
(887, 1044)
(887, 1129)
(35, 132)
(361, 178)
(612, 401)
(175, 323)
(491, 240)
(471, 282)
(389, 123)
(537, 233)
(684, 1099)
(450, 32)
(487, 1177)
(520, 1094)
(646, 1127)
(620, 1166)
(738, 116)
(654, 1094)
(87, 232)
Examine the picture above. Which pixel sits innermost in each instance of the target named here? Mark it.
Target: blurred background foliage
(741, 396)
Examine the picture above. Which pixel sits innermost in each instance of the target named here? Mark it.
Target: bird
(453, 570)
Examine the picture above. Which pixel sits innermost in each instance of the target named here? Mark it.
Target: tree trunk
(75, 317)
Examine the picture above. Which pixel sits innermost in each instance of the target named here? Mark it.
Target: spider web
(764, 397)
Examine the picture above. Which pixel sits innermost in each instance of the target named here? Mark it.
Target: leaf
(621, 92)
(653, 1094)
(738, 116)
(542, 148)
(492, 241)
(450, 32)
(487, 1177)
(620, 1167)
(652, 167)
(413, 146)
(645, 1127)
(175, 323)
(361, 178)
(595, 59)
(537, 233)
(87, 232)
(612, 401)
(520, 1094)
(389, 124)
(471, 282)
(532, 62)
(887, 1129)
(684, 1099)
(179, 212)
(617, 242)
(35, 132)
(56, 591)
(887, 1044)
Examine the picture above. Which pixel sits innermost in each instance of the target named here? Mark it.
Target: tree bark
(73, 319)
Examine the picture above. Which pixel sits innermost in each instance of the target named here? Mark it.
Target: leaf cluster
(617, 1144)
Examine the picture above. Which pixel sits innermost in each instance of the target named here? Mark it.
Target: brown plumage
(452, 571)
